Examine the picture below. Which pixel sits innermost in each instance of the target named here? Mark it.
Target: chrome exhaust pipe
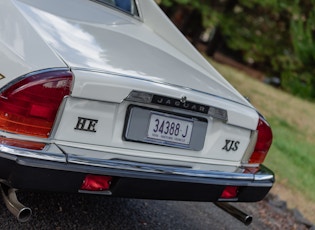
(235, 212)
(22, 213)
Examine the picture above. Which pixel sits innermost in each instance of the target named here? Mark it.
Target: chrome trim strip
(20, 78)
(178, 103)
(59, 114)
(264, 175)
(160, 169)
(107, 192)
(13, 152)
(250, 148)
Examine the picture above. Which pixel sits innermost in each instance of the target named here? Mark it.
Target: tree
(275, 36)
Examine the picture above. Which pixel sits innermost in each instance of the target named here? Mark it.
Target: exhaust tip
(24, 215)
(235, 212)
(21, 212)
(248, 220)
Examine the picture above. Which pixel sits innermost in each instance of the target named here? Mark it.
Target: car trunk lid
(113, 42)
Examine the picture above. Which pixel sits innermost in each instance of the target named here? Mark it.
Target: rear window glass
(127, 6)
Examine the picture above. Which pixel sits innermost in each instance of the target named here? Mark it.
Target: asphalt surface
(78, 211)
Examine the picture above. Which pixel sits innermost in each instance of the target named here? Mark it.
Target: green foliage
(297, 84)
(257, 34)
(292, 157)
(210, 16)
(275, 36)
(301, 81)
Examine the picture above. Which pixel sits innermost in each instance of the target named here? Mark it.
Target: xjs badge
(231, 145)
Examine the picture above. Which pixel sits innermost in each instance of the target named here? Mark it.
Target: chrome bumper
(24, 170)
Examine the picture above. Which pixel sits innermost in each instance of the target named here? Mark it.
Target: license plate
(170, 129)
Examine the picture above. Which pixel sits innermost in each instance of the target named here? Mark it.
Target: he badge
(86, 124)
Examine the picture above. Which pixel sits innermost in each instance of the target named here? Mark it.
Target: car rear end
(110, 126)
(122, 114)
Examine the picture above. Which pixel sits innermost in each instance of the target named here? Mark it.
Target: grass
(292, 155)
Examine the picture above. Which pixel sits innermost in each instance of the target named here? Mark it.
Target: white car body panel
(25, 50)
(110, 127)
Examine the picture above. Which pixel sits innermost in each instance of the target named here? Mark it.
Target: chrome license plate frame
(137, 128)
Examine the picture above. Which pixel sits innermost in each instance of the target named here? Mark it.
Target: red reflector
(229, 192)
(263, 143)
(252, 170)
(96, 183)
(29, 106)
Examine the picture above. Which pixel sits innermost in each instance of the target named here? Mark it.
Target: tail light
(264, 140)
(96, 183)
(229, 192)
(22, 143)
(29, 106)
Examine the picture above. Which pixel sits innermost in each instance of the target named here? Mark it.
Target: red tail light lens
(30, 105)
(263, 143)
(96, 183)
(229, 192)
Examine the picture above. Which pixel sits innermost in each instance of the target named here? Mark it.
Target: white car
(107, 97)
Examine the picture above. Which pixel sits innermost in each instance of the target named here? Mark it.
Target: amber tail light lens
(22, 144)
(264, 140)
(29, 106)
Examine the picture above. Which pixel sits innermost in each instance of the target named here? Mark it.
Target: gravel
(77, 211)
